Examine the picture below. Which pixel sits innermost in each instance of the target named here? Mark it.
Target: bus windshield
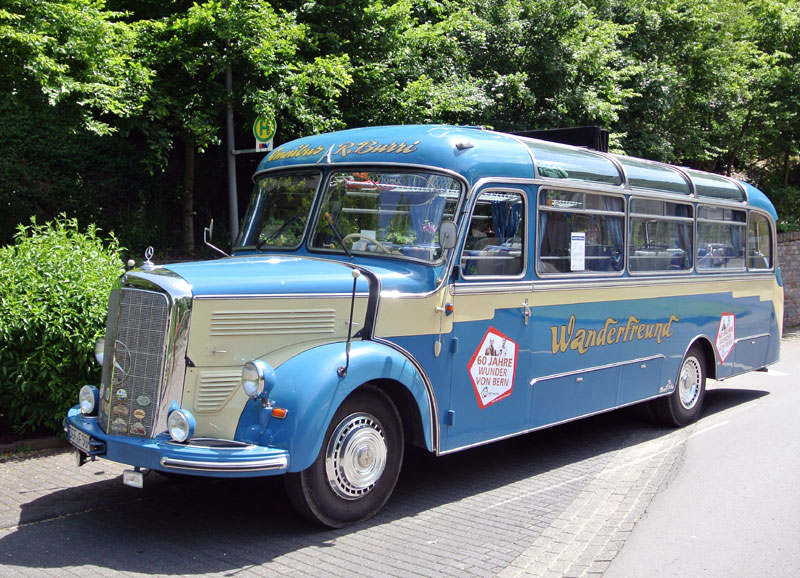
(385, 213)
(278, 211)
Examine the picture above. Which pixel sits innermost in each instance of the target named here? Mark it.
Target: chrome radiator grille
(134, 362)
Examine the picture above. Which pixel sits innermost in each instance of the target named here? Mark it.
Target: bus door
(489, 396)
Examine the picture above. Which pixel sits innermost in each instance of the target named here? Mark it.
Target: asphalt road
(732, 508)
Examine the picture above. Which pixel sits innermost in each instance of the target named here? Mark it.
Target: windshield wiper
(329, 220)
(280, 230)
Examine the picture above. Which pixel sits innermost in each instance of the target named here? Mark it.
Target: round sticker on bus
(492, 368)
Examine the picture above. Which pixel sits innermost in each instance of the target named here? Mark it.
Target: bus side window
(759, 242)
(495, 244)
(660, 236)
(721, 237)
(600, 219)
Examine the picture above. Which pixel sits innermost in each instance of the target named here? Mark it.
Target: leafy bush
(54, 285)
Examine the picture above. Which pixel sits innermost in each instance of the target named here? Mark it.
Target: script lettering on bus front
(344, 149)
(567, 337)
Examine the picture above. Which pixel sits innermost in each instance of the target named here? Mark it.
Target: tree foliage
(711, 85)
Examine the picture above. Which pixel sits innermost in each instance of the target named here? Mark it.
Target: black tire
(357, 466)
(685, 404)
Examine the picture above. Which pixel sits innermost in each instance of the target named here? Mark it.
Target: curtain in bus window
(554, 247)
(426, 217)
(685, 235)
(737, 238)
(388, 203)
(615, 231)
(505, 218)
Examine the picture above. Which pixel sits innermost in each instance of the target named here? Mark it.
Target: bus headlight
(88, 399)
(180, 424)
(257, 376)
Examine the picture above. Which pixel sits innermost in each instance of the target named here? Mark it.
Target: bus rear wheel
(358, 465)
(684, 405)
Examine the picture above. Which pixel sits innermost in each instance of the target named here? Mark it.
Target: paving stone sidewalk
(554, 503)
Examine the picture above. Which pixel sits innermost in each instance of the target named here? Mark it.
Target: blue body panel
(299, 274)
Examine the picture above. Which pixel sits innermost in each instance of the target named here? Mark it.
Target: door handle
(526, 311)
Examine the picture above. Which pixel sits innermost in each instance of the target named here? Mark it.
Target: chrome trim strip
(428, 388)
(214, 444)
(549, 425)
(756, 336)
(486, 287)
(276, 463)
(643, 281)
(282, 296)
(536, 380)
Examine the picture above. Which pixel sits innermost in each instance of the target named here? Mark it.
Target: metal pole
(233, 203)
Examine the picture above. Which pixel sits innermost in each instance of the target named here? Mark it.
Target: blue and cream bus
(438, 286)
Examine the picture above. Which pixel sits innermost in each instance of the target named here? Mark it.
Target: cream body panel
(412, 315)
(229, 332)
(482, 306)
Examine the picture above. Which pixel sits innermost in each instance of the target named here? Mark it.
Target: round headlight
(252, 378)
(180, 424)
(99, 347)
(87, 399)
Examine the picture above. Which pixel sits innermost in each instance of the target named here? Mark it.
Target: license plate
(80, 440)
(133, 478)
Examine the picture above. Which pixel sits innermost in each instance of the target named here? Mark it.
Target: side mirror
(208, 233)
(447, 235)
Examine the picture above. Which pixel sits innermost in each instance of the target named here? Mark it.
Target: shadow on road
(719, 400)
(202, 525)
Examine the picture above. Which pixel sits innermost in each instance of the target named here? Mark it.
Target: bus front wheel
(684, 404)
(357, 466)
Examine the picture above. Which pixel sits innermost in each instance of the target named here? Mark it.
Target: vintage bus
(438, 286)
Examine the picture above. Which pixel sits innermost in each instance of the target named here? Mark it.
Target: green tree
(189, 47)
(74, 53)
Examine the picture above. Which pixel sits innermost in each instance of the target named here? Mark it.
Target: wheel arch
(311, 388)
(709, 355)
(407, 407)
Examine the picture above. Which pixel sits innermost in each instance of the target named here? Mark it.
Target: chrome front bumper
(203, 456)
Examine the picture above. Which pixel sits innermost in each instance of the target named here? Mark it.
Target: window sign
(577, 252)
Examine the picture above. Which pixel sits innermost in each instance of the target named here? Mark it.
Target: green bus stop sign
(264, 128)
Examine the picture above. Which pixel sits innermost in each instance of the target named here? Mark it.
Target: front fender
(310, 387)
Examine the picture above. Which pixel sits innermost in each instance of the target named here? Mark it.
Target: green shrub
(54, 286)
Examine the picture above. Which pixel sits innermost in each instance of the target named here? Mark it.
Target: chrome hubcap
(689, 383)
(356, 456)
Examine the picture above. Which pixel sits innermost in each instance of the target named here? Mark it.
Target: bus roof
(476, 153)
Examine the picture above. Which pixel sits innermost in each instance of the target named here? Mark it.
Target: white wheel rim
(689, 383)
(356, 456)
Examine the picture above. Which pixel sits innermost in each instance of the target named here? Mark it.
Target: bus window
(720, 238)
(496, 238)
(660, 236)
(580, 232)
(759, 242)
